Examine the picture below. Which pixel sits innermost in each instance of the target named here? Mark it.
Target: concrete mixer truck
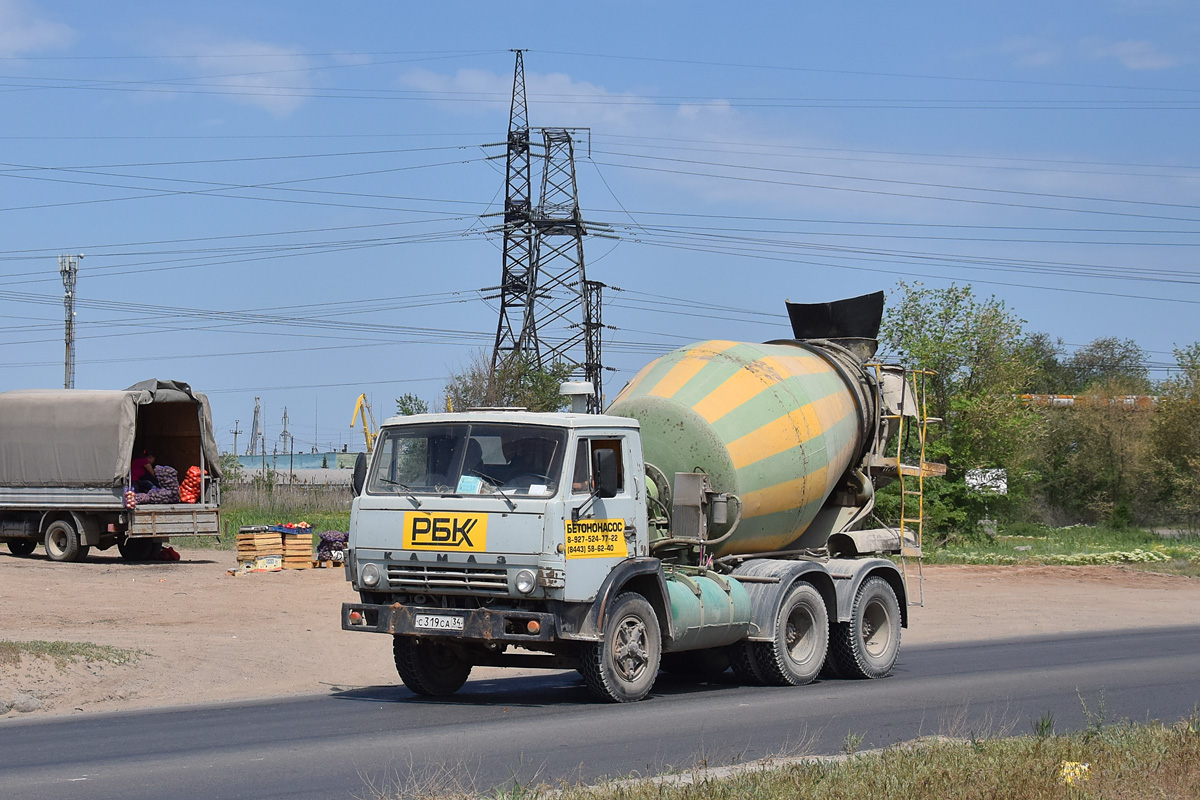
(713, 518)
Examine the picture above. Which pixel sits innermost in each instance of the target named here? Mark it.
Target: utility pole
(286, 436)
(68, 268)
(235, 433)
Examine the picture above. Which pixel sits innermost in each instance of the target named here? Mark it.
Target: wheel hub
(876, 632)
(58, 540)
(798, 637)
(631, 656)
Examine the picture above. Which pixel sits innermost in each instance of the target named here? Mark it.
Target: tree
(1108, 360)
(1177, 437)
(408, 404)
(1099, 465)
(980, 363)
(231, 468)
(518, 382)
(1049, 372)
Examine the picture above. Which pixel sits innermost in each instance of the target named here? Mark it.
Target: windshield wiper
(495, 489)
(402, 487)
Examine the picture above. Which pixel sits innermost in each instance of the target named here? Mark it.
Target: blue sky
(289, 200)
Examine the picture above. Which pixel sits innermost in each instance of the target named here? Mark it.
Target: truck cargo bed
(176, 519)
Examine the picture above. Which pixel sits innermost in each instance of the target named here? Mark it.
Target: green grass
(1124, 762)
(325, 508)
(1077, 545)
(64, 653)
(235, 518)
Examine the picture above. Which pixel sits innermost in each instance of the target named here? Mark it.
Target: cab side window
(581, 479)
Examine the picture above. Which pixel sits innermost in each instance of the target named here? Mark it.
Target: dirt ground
(209, 636)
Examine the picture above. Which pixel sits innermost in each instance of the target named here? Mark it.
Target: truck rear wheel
(745, 663)
(623, 665)
(62, 542)
(138, 549)
(430, 669)
(795, 656)
(21, 547)
(867, 645)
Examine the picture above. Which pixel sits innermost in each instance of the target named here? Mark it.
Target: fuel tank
(707, 610)
(777, 424)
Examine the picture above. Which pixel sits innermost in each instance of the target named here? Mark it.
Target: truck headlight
(370, 575)
(526, 580)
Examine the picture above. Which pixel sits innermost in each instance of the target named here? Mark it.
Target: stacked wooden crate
(256, 541)
(266, 548)
(297, 549)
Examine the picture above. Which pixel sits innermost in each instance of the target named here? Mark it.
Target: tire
(801, 641)
(745, 663)
(830, 669)
(622, 666)
(21, 547)
(867, 645)
(429, 669)
(62, 542)
(697, 664)
(138, 549)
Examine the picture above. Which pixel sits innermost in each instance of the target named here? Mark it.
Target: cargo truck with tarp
(717, 515)
(65, 468)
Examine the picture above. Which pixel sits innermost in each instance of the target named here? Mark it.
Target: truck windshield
(467, 458)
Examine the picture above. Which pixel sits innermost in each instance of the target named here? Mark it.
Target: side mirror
(360, 474)
(604, 468)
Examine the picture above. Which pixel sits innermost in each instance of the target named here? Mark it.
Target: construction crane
(370, 429)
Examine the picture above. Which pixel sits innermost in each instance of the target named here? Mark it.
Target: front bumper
(482, 625)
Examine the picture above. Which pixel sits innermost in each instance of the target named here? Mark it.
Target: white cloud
(1132, 54)
(1035, 51)
(718, 154)
(1032, 51)
(558, 100)
(270, 76)
(23, 31)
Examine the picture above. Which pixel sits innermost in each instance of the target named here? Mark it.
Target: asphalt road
(548, 728)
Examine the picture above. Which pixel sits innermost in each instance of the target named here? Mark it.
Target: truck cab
(480, 532)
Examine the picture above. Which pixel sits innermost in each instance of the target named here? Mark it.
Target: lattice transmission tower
(565, 305)
(549, 311)
(512, 334)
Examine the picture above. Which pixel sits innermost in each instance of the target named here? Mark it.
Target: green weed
(1077, 545)
(65, 653)
(1125, 762)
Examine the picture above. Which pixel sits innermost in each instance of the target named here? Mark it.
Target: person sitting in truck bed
(142, 472)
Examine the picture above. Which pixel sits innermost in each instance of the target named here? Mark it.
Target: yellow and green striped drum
(776, 424)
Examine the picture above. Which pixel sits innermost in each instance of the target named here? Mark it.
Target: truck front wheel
(867, 645)
(622, 666)
(796, 654)
(430, 669)
(62, 542)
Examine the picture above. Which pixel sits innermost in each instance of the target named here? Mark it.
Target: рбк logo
(424, 531)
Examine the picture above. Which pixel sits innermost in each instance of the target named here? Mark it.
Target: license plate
(439, 622)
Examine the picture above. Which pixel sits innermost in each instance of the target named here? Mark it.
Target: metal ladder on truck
(911, 476)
